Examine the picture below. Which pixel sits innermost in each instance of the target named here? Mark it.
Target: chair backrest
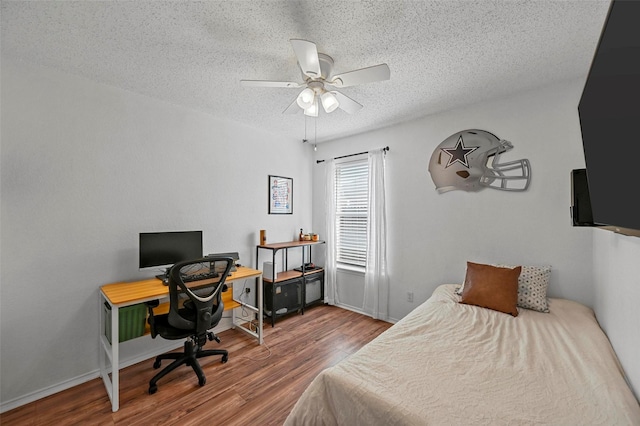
(203, 297)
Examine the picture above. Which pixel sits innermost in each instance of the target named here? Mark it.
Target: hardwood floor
(257, 386)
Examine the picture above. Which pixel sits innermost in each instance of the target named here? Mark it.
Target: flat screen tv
(609, 112)
(163, 249)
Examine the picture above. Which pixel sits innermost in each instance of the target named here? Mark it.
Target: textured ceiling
(442, 54)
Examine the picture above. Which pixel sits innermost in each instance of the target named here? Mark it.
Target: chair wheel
(225, 358)
(202, 381)
(153, 389)
(156, 364)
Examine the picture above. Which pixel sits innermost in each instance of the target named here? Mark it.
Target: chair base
(188, 357)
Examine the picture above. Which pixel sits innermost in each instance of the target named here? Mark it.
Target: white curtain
(376, 280)
(330, 293)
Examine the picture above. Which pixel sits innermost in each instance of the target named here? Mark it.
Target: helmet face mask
(469, 161)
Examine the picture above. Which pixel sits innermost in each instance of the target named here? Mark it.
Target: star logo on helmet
(459, 153)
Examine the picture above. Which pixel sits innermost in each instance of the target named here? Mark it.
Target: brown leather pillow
(491, 287)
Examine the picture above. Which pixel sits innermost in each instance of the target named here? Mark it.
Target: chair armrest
(151, 319)
(152, 303)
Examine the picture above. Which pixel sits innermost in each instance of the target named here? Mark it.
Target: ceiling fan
(317, 73)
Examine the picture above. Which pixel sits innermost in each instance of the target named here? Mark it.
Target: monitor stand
(164, 277)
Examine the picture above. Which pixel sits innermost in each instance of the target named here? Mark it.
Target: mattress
(450, 363)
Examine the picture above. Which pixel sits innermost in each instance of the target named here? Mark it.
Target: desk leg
(260, 310)
(233, 314)
(255, 308)
(109, 352)
(115, 359)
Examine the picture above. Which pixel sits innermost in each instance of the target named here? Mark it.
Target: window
(352, 180)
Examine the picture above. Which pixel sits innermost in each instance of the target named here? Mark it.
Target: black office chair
(194, 309)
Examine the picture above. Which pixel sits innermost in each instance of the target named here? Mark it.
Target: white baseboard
(360, 311)
(83, 378)
(351, 308)
(43, 393)
(68, 384)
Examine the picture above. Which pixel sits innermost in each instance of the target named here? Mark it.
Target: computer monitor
(163, 249)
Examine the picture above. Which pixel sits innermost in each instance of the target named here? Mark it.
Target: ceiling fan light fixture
(329, 102)
(312, 111)
(317, 72)
(306, 98)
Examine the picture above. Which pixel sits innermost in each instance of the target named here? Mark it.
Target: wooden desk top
(129, 292)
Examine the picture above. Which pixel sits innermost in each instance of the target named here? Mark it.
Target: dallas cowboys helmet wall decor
(469, 161)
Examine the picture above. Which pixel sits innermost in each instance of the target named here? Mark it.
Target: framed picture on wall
(280, 195)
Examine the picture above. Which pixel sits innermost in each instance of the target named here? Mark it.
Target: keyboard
(199, 277)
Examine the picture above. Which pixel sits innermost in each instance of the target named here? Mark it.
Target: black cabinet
(283, 297)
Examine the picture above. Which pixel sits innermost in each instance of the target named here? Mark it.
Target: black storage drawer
(283, 297)
(314, 288)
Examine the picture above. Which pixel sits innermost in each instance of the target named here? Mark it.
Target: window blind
(352, 212)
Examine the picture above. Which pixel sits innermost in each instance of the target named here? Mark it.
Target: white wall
(617, 292)
(432, 235)
(85, 168)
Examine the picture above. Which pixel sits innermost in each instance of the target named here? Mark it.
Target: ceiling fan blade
(293, 108)
(346, 103)
(363, 75)
(307, 55)
(267, 83)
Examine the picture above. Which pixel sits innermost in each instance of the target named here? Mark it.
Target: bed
(452, 363)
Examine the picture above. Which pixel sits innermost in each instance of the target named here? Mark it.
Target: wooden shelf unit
(290, 275)
(289, 287)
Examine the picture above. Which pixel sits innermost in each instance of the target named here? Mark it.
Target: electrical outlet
(409, 296)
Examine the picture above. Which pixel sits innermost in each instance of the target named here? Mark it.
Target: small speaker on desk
(270, 271)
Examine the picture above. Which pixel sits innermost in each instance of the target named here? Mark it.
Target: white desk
(119, 295)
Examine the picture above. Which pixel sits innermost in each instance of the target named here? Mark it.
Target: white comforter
(449, 363)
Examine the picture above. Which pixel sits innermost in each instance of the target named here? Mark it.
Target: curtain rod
(385, 149)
